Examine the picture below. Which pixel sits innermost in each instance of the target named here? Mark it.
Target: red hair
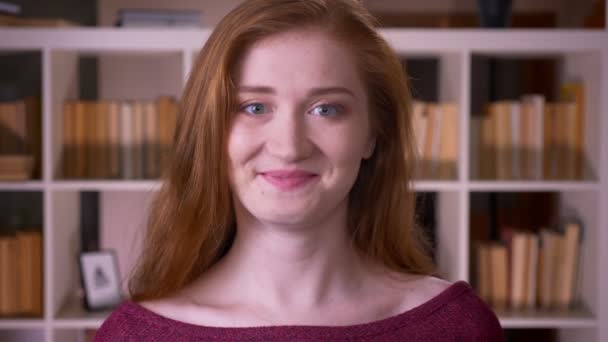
(192, 223)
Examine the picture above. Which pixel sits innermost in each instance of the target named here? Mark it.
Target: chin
(286, 215)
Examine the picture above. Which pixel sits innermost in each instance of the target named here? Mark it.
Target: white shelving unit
(584, 55)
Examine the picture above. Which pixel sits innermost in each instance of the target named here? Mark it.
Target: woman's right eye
(254, 108)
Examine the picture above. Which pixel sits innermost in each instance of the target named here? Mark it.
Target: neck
(293, 267)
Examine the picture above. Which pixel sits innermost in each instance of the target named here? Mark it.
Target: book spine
(114, 139)
(68, 139)
(80, 114)
(126, 138)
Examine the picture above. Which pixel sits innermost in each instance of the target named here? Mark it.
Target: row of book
(436, 132)
(117, 139)
(11, 14)
(21, 274)
(531, 138)
(155, 17)
(527, 271)
(20, 128)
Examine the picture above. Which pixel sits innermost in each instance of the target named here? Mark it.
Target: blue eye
(326, 110)
(254, 108)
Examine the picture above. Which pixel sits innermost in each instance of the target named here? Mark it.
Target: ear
(369, 148)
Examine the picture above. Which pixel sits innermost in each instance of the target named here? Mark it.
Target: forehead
(299, 58)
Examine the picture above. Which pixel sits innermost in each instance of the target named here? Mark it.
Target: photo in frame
(100, 279)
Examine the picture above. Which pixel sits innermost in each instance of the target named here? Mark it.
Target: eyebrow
(312, 92)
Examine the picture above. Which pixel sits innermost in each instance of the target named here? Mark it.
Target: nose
(287, 137)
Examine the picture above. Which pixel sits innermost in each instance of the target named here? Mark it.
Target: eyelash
(337, 108)
(244, 107)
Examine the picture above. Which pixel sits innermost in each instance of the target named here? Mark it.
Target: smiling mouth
(288, 180)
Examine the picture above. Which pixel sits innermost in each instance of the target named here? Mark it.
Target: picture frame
(100, 279)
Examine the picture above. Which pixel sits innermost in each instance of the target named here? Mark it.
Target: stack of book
(436, 132)
(16, 167)
(21, 274)
(20, 149)
(117, 139)
(531, 138)
(528, 271)
(158, 18)
(11, 15)
(89, 334)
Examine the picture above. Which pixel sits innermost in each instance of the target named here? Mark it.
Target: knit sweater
(456, 314)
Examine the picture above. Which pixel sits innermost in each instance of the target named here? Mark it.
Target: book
(112, 139)
(548, 267)
(158, 18)
(519, 259)
(29, 260)
(566, 278)
(167, 116)
(484, 281)
(114, 131)
(126, 139)
(11, 20)
(532, 113)
(448, 151)
(8, 276)
(475, 147)
(80, 139)
(532, 271)
(499, 276)
(151, 160)
(138, 138)
(431, 151)
(574, 92)
(419, 122)
(69, 140)
(488, 146)
(10, 8)
(102, 146)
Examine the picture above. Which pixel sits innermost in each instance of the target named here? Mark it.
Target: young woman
(287, 212)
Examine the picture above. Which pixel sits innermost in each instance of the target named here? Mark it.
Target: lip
(286, 180)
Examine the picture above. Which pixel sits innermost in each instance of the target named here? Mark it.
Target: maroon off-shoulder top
(456, 314)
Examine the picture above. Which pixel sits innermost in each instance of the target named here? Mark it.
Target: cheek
(239, 145)
(347, 145)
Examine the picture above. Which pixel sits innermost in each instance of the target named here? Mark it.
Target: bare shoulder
(169, 307)
(187, 307)
(429, 286)
(411, 291)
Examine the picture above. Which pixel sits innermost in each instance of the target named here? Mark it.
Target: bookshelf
(582, 53)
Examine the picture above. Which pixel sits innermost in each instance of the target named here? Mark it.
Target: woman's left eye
(255, 108)
(326, 110)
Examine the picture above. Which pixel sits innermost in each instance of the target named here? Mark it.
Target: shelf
(73, 316)
(106, 185)
(577, 318)
(406, 40)
(21, 186)
(32, 323)
(430, 185)
(534, 186)
(126, 57)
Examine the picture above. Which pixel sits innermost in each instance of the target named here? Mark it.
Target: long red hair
(192, 224)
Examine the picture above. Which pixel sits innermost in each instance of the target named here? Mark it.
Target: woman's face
(301, 128)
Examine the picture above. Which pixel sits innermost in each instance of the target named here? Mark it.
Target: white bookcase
(169, 54)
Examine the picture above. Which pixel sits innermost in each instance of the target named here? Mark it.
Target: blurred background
(509, 116)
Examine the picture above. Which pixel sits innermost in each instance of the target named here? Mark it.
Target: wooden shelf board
(21, 323)
(576, 318)
(106, 185)
(73, 315)
(436, 185)
(21, 185)
(411, 40)
(499, 185)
